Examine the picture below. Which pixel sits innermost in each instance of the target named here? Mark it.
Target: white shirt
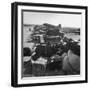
(40, 60)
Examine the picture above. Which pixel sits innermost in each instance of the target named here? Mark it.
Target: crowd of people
(62, 58)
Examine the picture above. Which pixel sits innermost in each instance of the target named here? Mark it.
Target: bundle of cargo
(47, 33)
(53, 36)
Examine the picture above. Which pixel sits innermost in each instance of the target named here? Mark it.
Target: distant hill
(71, 30)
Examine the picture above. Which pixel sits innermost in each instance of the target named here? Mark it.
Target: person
(71, 62)
(26, 51)
(38, 65)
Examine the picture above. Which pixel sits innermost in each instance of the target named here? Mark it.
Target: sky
(66, 20)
